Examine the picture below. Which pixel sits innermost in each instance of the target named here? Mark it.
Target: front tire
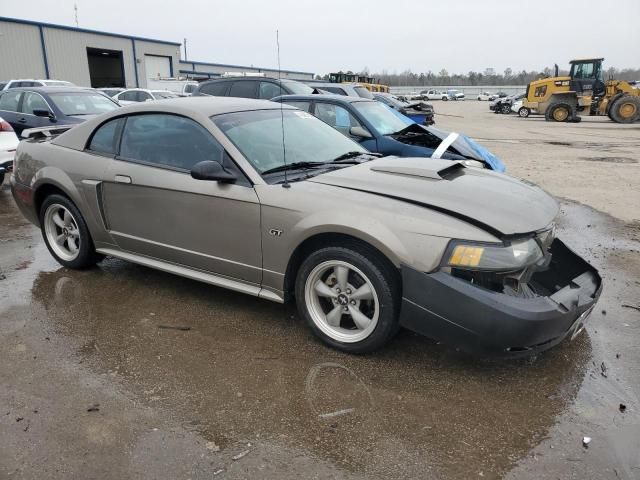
(524, 112)
(445, 99)
(349, 297)
(505, 109)
(66, 234)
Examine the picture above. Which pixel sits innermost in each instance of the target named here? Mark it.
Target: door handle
(22, 120)
(123, 179)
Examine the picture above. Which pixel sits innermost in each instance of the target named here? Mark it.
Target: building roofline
(242, 66)
(84, 30)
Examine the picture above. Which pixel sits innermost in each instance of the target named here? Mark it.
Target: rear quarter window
(105, 138)
(216, 89)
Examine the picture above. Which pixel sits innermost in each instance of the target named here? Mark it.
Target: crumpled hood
(498, 203)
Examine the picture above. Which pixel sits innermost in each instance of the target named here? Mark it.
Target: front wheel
(445, 99)
(66, 234)
(349, 298)
(524, 112)
(505, 109)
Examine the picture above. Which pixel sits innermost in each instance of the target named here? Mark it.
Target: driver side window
(337, 117)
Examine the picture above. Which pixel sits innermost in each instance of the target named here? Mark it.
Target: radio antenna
(284, 148)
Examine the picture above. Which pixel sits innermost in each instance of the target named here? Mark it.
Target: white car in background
(434, 95)
(33, 82)
(487, 97)
(111, 91)
(8, 144)
(135, 95)
(519, 108)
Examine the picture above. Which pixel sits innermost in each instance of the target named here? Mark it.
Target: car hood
(495, 202)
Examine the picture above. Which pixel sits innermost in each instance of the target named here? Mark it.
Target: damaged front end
(449, 146)
(473, 303)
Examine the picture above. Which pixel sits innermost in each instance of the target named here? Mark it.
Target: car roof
(246, 79)
(51, 89)
(319, 98)
(198, 108)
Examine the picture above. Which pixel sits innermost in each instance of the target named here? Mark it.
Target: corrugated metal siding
(20, 52)
(67, 54)
(203, 67)
(149, 48)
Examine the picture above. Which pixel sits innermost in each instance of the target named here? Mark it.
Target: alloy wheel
(342, 301)
(62, 232)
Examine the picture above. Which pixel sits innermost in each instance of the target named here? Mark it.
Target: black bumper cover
(456, 312)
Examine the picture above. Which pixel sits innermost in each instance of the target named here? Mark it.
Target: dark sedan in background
(38, 107)
(251, 87)
(381, 129)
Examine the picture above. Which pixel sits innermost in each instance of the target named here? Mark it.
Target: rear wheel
(66, 234)
(505, 108)
(559, 112)
(625, 109)
(524, 112)
(349, 298)
(445, 99)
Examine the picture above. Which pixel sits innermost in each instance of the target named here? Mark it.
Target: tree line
(488, 77)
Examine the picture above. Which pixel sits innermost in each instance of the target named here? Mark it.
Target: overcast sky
(330, 35)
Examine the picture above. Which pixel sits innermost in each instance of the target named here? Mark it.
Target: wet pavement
(125, 372)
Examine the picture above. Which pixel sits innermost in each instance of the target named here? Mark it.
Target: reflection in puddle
(248, 369)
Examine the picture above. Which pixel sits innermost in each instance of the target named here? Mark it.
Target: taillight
(5, 127)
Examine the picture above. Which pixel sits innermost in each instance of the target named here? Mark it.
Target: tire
(524, 112)
(60, 218)
(322, 302)
(445, 99)
(1, 178)
(625, 109)
(505, 109)
(479, 99)
(559, 112)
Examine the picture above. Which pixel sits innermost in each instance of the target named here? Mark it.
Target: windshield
(383, 120)
(394, 101)
(82, 103)
(258, 135)
(363, 92)
(57, 83)
(297, 88)
(161, 94)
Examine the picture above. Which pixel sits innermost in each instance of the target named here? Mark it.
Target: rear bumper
(446, 308)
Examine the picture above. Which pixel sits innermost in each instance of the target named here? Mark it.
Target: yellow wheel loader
(561, 99)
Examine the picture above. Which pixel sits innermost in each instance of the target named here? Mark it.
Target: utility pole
(75, 8)
(185, 49)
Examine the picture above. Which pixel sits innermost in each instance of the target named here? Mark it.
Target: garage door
(156, 66)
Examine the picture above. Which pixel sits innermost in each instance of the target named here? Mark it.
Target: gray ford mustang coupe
(266, 199)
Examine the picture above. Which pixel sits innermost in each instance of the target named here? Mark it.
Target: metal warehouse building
(93, 58)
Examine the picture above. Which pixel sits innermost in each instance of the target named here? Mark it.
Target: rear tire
(559, 112)
(505, 109)
(66, 234)
(625, 109)
(445, 99)
(524, 112)
(350, 297)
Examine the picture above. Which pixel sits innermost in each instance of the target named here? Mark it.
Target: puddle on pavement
(249, 368)
(626, 160)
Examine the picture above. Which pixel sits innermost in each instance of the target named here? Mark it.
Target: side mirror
(359, 132)
(210, 170)
(43, 112)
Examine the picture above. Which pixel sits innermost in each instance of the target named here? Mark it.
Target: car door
(153, 207)
(34, 101)
(9, 103)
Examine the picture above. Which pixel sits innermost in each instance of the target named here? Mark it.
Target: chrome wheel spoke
(60, 239)
(71, 243)
(334, 316)
(323, 290)
(67, 218)
(359, 318)
(363, 293)
(57, 219)
(342, 276)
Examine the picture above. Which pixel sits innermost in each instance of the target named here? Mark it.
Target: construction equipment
(561, 99)
(370, 83)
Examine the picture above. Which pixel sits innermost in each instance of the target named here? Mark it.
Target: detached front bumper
(457, 312)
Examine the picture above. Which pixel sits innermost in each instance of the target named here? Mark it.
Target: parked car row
(503, 105)
(290, 203)
(8, 144)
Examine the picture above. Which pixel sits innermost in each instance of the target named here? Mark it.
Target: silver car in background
(266, 199)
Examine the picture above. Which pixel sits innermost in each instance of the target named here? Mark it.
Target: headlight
(515, 256)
